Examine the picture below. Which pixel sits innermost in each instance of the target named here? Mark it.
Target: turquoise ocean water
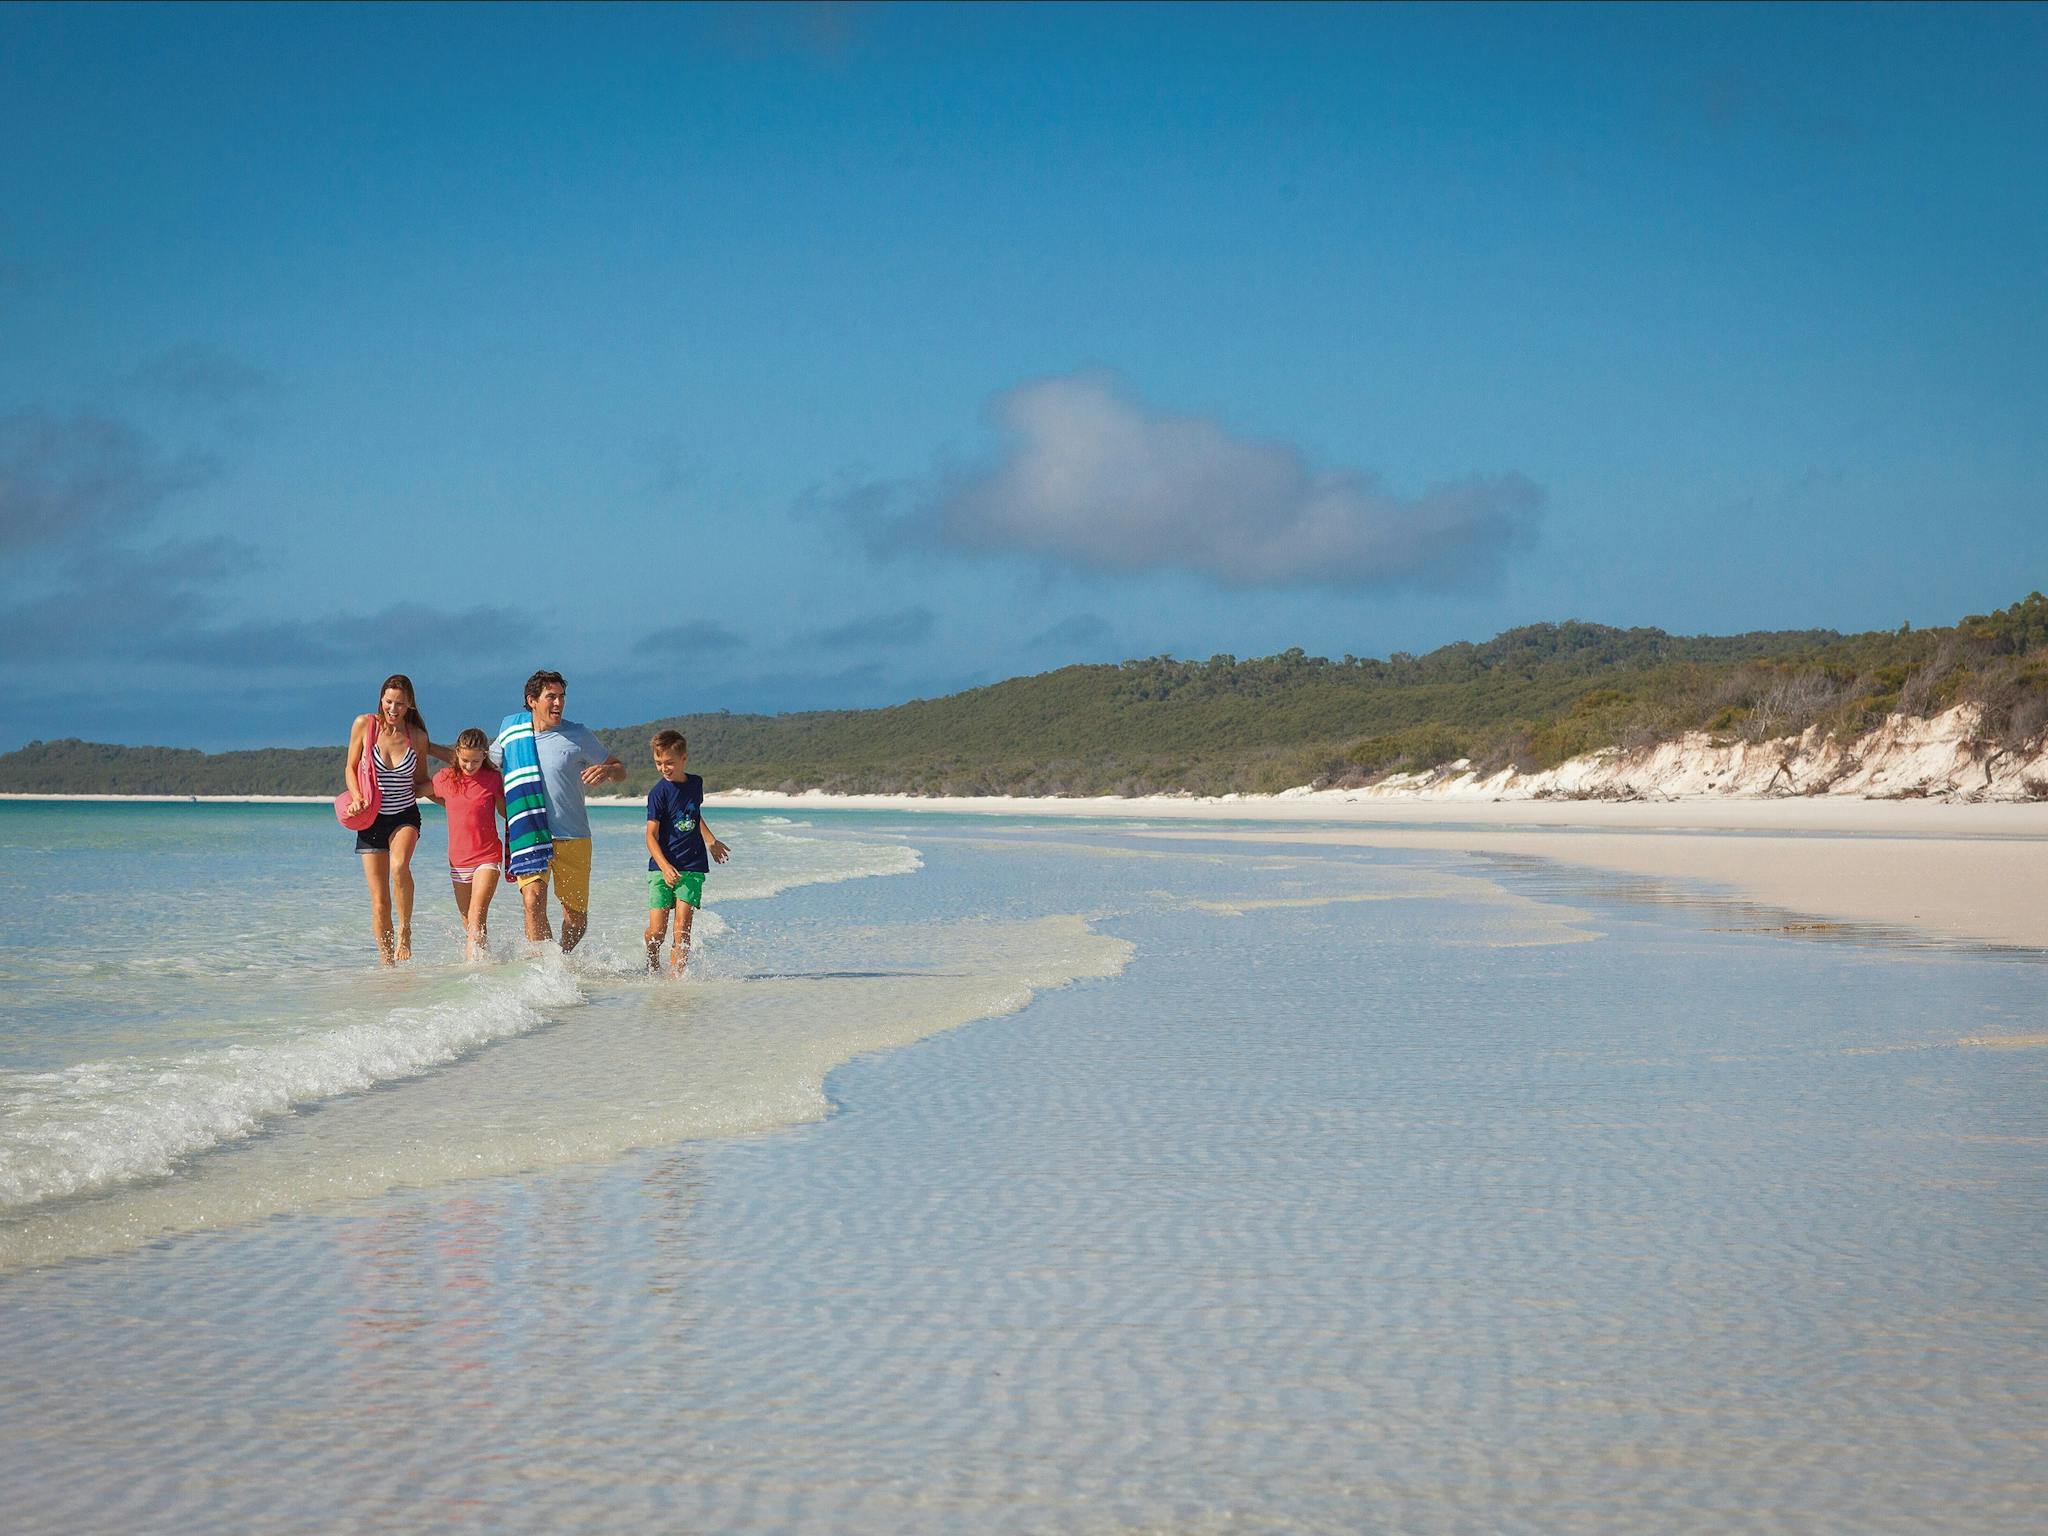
(998, 1176)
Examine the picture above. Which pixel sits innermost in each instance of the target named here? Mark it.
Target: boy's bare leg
(377, 875)
(573, 924)
(476, 911)
(403, 841)
(534, 895)
(657, 930)
(685, 916)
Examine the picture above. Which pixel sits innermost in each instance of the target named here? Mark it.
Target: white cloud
(1091, 478)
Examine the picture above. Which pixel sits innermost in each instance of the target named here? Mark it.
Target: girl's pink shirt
(472, 803)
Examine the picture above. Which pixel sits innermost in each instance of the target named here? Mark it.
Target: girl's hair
(403, 683)
(472, 740)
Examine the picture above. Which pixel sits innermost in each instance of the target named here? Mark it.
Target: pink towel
(366, 786)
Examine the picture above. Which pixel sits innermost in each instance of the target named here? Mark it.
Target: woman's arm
(349, 763)
(422, 749)
(433, 748)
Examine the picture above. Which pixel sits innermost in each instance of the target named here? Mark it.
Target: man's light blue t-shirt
(564, 753)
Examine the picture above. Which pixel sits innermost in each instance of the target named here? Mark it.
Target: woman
(396, 738)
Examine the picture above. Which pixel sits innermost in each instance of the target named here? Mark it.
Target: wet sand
(1967, 873)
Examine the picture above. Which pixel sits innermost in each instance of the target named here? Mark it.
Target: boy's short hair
(472, 740)
(540, 680)
(668, 743)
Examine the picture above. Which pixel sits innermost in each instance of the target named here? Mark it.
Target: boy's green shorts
(688, 889)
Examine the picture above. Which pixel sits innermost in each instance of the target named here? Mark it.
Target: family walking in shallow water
(531, 779)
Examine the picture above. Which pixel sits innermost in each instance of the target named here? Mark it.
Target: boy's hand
(719, 852)
(669, 872)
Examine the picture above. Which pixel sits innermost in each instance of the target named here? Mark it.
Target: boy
(677, 842)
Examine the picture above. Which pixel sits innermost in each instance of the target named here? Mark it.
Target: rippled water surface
(995, 1177)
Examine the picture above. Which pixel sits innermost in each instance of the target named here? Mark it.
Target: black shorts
(376, 837)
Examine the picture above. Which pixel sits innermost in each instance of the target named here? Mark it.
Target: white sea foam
(777, 860)
(100, 1123)
(641, 1063)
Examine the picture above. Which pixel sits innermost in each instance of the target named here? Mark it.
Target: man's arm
(610, 771)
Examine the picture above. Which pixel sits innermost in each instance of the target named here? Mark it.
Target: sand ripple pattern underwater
(1260, 1192)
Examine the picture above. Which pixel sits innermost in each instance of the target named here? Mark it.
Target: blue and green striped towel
(528, 846)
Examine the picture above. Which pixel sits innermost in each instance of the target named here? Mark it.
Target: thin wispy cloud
(821, 30)
(194, 374)
(700, 636)
(1076, 632)
(1089, 478)
(86, 475)
(906, 626)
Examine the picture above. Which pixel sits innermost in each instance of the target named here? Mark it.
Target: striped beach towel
(529, 849)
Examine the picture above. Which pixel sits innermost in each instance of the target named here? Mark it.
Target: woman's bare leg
(377, 875)
(403, 841)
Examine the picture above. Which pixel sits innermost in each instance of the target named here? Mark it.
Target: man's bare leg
(573, 924)
(533, 895)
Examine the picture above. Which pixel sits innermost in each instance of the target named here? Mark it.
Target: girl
(396, 738)
(473, 794)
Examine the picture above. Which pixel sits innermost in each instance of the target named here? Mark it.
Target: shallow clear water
(1273, 1190)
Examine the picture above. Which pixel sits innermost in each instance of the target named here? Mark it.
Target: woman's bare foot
(404, 944)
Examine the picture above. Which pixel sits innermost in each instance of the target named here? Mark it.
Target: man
(571, 759)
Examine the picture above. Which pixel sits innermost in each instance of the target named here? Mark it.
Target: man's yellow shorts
(571, 869)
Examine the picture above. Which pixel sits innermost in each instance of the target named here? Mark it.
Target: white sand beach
(1973, 873)
(1968, 872)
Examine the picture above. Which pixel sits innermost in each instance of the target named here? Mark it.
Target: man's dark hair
(540, 680)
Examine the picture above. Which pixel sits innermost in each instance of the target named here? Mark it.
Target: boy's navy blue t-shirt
(678, 808)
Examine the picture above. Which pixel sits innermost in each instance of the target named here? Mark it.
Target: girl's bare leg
(477, 911)
(377, 875)
(403, 841)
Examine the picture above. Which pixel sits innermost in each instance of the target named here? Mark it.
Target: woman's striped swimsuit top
(394, 785)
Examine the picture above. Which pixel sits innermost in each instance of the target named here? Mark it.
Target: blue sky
(814, 357)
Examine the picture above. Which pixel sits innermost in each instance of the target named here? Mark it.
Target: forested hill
(1531, 696)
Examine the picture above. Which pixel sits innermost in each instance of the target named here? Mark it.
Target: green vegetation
(1531, 697)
